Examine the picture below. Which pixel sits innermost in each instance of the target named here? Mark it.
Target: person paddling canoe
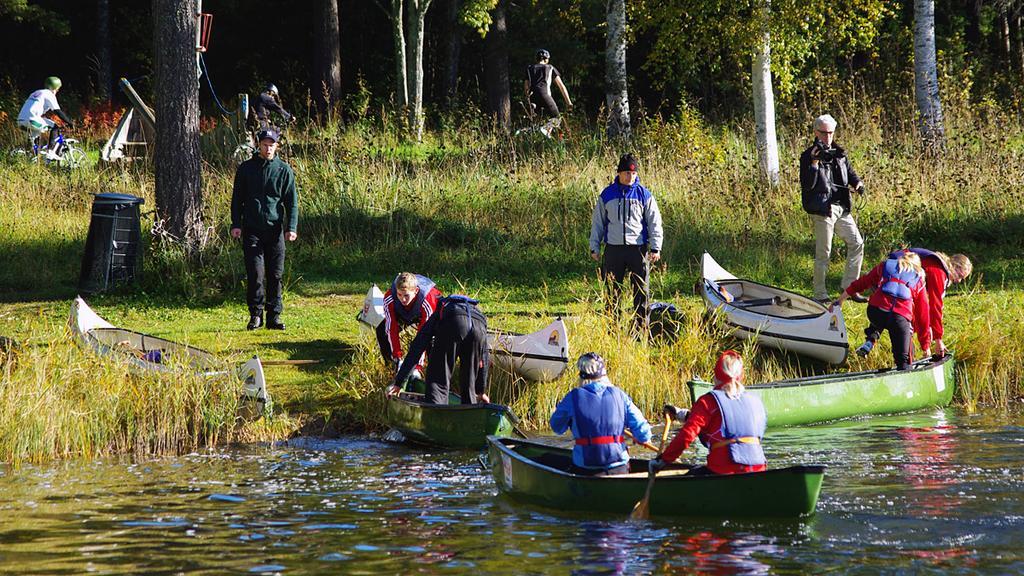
(728, 420)
(598, 414)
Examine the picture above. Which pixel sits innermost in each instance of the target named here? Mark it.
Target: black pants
(461, 334)
(544, 104)
(384, 343)
(264, 267)
(620, 261)
(901, 333)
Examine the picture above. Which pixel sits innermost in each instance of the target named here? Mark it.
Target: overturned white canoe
(774, 317)
(146, 353)
(539, 356)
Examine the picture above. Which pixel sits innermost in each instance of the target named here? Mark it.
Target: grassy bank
(504, 220)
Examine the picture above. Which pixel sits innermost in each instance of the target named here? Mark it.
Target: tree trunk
(452, 53)
(179, 201)
(104, 76)
(616, 81)
(499, 102)
(327, 76)
(417, 16)
(926, 79)
(1004, 22)
(1020, 40)
(398, 34)
(764, 103)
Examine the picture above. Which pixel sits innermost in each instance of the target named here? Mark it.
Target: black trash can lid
(114, 198)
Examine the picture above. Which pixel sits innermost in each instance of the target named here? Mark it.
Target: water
(913, 494)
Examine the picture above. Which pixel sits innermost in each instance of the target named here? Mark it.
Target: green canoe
(452, 426)
(833, 396)
(533, 472)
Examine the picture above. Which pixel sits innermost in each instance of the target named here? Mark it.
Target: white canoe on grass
(539, 356)
(146, 353)
(774, 317)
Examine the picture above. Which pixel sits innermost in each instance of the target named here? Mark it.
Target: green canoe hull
(532, 472)
(835, 396)
(451, 426)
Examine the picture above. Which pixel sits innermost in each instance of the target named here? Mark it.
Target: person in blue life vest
(899, 304)
(409, 301)
(627, 221)
(598, 413)
(456, 331)
(728, 420)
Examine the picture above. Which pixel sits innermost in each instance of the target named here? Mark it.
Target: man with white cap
(827, 180)
(598, 414)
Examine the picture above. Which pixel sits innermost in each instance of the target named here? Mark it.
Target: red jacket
(915, 310)
(392, 319)
(936, 282)
(705, 422)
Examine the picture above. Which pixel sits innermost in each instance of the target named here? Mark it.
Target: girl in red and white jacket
(899, 304)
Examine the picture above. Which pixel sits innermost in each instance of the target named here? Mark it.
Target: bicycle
(66, 153)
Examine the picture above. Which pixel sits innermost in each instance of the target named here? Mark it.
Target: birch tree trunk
(327, 75)
(176, 160)
(417, 16)
(616, 82)
(499, 102)
(926, 78)
(104, 75)
(764, 103)
(398, 35)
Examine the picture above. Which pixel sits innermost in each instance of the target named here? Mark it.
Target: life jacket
(600, 421)
(924, 253)
(895, 283)
(411, 314)
(743, 424)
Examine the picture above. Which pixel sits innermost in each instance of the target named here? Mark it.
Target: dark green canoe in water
(448, 426)
(834, 396)
(534, 473)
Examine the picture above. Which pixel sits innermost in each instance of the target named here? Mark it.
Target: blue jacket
(572, 412)
(626, 216)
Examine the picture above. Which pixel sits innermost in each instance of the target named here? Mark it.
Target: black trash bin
(113, 245)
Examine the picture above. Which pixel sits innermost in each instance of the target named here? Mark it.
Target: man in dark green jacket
(264, 213)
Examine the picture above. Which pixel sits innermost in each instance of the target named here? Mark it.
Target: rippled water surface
(927, 493)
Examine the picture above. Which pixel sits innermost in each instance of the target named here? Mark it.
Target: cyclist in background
(269, 101)
(39, 104)
(539, 79)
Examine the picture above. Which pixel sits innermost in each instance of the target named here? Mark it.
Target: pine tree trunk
(1020, 40)
(326, 87)
(104, 75)
(764, 104)
(398, 34)
(417, 16)
(926, 79)
(452, 53)
(616, 81)
(499, 102)
(176, 161)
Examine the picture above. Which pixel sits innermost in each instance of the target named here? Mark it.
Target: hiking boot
(255, 321)
(865, 348)
(275, 324)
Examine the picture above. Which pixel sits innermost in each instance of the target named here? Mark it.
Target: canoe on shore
(833, 396)
(774, 317)
(448, 426)
(534, 473)
(538, 356)
(145, 353)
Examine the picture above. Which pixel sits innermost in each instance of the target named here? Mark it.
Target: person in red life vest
(940, 272)
(598, 414)
(409, 302)
(898, 304)
(727, 420)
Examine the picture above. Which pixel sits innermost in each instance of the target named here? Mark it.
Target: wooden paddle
(647, 445)
(642, 509)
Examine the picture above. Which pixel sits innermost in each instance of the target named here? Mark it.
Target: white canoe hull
(108, 340)
(774, 317)
(539, 356)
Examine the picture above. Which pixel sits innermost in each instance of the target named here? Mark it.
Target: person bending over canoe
(457, 330)
(899, 304)
(940, 271)
(598, 414)
(409, 302)
(727, 420)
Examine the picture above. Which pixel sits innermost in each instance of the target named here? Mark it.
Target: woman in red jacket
(940, 271)
(898, 304)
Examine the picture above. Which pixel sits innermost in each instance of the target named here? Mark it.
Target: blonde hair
(910, 261)
(961, 263)
(732, 365)
(406, 282)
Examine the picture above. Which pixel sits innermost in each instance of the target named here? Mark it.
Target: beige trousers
(846, 229)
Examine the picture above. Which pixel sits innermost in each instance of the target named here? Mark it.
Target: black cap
(627, 163)
(269, 134)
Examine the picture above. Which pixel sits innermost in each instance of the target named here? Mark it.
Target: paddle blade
(642, 510)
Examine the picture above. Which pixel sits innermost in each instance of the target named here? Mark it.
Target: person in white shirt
(33, 113)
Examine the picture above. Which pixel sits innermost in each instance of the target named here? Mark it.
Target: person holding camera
(826, 181)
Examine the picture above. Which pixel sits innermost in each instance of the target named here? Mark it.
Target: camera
(827, 154)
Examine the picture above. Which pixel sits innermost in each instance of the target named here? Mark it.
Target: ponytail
(910, 261)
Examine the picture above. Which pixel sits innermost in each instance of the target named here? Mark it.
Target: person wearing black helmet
(539, 78)
(269, 101)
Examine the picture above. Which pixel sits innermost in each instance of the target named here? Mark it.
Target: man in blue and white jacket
(627, 221)
(598, 414)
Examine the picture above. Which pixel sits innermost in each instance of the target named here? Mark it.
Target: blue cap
(269, 134)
